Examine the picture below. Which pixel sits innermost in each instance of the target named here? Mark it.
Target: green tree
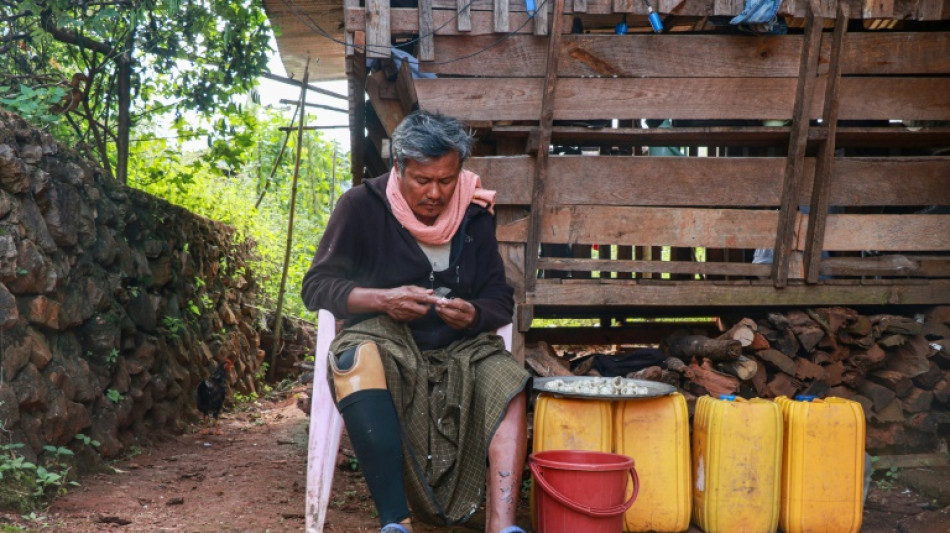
(92, 69)
(224, 182)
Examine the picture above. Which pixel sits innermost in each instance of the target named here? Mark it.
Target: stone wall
(113, 304)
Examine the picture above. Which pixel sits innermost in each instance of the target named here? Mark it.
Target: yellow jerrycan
(737, 453)
(655, 433)
(822, 465)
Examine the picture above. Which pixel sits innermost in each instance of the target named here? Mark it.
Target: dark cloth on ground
(622, 364)
(449, 402)
(365, 246)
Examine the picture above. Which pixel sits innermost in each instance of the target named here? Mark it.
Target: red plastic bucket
(580, 491)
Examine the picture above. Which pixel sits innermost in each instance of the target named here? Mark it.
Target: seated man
(409, 260)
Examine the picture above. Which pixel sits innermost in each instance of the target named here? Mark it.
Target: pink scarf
(468, 190)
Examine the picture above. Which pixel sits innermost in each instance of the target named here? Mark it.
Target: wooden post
(500, 20)
(824, 167)
(356, 89)
(541, 16)
(541, 165)
(378, 38)
(464, 18)
(406, 89)
(426, 29)
(290, 225)
(795, 163)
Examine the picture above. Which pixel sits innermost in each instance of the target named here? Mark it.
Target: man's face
(428, 186)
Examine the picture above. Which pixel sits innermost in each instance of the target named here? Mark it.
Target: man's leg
(506, 455)
(373, 427)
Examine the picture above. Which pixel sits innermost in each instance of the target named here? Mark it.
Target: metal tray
(654, 388)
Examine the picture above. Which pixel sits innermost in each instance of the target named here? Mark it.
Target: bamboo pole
(290, 225)
(279, 157)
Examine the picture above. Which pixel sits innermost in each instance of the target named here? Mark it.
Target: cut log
(928, 422)
(805, 369)
(870, 358)
(892, 341)
(843, 392)
(584, 367)
(834, 371)
(687, 347)
(896, 324)
(820, 357)
(670, 378)
(743, 368)
(917, 401)
(891, 412)
(650, 373)
(715, 383)
(743, 331)
(838, 317)
(808, 331)
(759, 342)
(880, 396)
(783, 385)
(885, 436)
(677, 365)
(778, 359)
(942, 392)
(911, 358)
(897, 382)
(861, 327)
(910, 460)
(853, 378)
(542, 358)
(818, 389)
(866, 405)
(760, 381)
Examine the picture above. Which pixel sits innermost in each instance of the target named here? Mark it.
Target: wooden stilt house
(695, 171)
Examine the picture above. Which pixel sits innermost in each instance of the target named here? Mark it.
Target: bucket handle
(585, 509)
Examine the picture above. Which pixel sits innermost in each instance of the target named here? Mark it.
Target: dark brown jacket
(365, 246)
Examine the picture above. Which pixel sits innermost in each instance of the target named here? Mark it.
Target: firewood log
(820, 357)
(650, 373)
(743, 368)
(891, 412)
(834, 371)
(837, 317)
(715, 383)
(743, 331)
(928, 422)
(861, 327)
(853, 378)
(867, 359)
(805, 369)
(929, 379)
(687, 347)
(885, 436)
(911, 358)
(917, 401)
(670, 378)
(783, 385)
(677, 365)
(760, 381)
(896, 324)
(759, 342)
(544, 360)
(942, 391)
(866, 405)
(897, 382)
(840, 391)
(892, 341)
(777, 359)
(818, 389)
(880, 396)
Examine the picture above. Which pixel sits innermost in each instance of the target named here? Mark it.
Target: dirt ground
(252, 479)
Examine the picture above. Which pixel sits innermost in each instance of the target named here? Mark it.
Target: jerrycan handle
(593, 512)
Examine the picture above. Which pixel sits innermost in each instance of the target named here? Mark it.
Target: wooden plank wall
(682, 230)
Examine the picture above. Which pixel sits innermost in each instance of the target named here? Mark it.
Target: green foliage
(174, 326)
(210, 186)
(183, 56)
(24, 486)
(114, 395)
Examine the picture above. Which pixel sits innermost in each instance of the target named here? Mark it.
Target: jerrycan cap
(728, 397)
(805, 397)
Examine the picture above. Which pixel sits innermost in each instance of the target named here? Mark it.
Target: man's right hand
(408, 302)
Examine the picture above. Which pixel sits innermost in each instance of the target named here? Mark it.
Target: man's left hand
(457, 313)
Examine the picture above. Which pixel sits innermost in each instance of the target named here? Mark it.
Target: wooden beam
(636, 333)
(824, 167)
(426, 31)
(505, 99)
(709, 294)
(388, 109)
(794, 167)
(378, 39)
(671, 267)
(886, 233)
(406, 89)
(500, 20)
(713, 181)
(887, 265)
(541, 17)
(356, 93)
(463, 12)
(541, 167)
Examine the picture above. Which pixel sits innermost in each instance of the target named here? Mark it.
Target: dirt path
(252, 479)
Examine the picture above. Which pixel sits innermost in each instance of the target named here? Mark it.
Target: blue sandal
(512, 529)
(394, 528)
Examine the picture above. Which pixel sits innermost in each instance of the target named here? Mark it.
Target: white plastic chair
(326, 425)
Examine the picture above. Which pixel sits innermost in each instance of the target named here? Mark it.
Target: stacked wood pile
(897, 367)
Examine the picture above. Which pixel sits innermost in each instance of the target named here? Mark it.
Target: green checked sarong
(449, 402)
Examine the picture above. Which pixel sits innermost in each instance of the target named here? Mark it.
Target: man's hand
(408, 302)
(457, 313)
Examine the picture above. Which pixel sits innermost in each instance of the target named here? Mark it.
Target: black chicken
(212, 391)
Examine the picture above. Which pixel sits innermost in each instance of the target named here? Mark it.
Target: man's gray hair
(423, 136)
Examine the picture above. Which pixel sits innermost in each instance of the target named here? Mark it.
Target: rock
(31, 389)
(9, 314)
(105, 430)
(9, 406)
(60, 207)
(7, 203)
(41, 310)
(13, 175)
(100, 336)
(142, 312)
(31, 153)
(34, 226)
(16, 353)
(161, 269)
(40, 354)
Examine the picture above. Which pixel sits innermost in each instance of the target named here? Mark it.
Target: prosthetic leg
(373, 426)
